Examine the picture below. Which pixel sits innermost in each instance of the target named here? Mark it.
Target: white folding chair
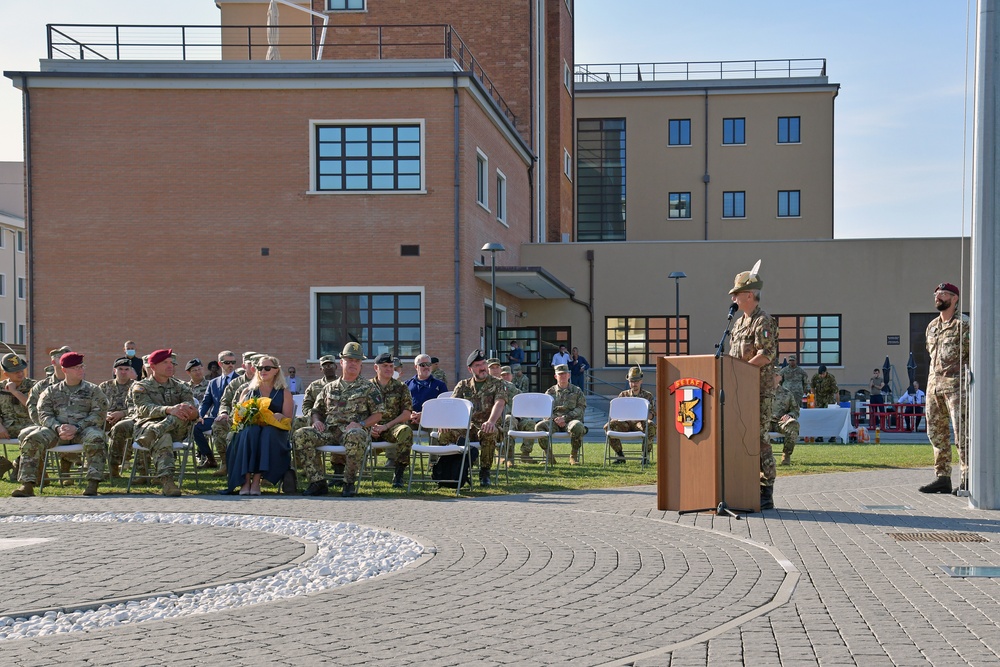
(629, 408)
(298, 399)
(437, 414)
(530, 405)
(186, 451)
(446, 394)
(431, 435)
(371, 458)
(53, 455)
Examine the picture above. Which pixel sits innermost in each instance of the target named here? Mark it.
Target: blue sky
(900, 63)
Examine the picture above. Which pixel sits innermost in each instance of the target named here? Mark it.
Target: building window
(600, 174)
(680, 205)
(501, 197)
(21, 288)
(20, 241)
(345, 5)
(788, 130)
(3, 237)
(734, 205)
(567, 77)
(788, 203)
(567, 164)
(814, 338)
(380, 322)
(3, 284)
(482, 188)
(680, 132)
(733, 130)
(3, 332)
(21, 335)
(360, 158)
(640, 340)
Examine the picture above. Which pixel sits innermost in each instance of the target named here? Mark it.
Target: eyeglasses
(424, 365)
(229, 362)
(266, 368)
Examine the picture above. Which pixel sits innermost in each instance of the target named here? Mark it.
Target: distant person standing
(947, 394)
(561, 358)
(516, 354)
(824, 386)
(875, 384)
(134, 360)
(794, 378)
(578, 367)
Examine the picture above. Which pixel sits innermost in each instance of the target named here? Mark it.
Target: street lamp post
(677, 275)
(493, 249)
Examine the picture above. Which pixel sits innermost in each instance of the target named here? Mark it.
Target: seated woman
(260, 448)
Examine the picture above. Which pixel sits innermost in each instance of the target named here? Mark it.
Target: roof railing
(700, 70)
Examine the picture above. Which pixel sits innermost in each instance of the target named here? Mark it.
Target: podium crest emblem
(689, 397)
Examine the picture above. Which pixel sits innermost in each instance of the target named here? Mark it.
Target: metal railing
(700, 71)
(75, 41)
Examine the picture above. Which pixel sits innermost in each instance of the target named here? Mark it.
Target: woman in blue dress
(263, 450)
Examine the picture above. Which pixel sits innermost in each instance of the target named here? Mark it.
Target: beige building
(13, 279)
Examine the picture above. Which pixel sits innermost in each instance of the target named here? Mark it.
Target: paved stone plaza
(583, 578)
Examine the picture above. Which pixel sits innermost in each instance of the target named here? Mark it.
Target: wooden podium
(689, 468)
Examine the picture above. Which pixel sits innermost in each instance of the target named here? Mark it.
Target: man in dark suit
(212, 400)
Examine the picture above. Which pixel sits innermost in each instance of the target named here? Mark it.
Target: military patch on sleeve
(767, 334)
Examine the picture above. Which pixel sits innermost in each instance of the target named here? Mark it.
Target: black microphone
(732, 309)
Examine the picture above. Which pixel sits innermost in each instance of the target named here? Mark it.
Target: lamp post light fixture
(493, 249)
(677, 275)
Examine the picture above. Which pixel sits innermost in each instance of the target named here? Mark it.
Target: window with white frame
(567, 164)
(379, 321)
(482, 185)
(21, 334)
(345, 5)
(368, 157)
(3, 284)
(20, 241)
(501, 197)
(3, 332)
(567, 77)
(21, 288)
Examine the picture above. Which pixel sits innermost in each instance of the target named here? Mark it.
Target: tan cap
(353, 351)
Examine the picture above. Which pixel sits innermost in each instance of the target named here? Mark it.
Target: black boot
(484, 478)
(963, 487)
(940, 485)
(289, 483)
(349, 490)
(316, 489)
(397, 477)
(766, 498)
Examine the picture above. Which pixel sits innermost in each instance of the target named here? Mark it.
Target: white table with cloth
(825, 422)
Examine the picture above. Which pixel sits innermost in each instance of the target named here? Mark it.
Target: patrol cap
(384, 358)
(327, 359)
(562, 368)
(396, 362)
(476, 355)
(122, 361)
(634, 373)
(191, 364)
(157, 356)
(793, 356)
(492, 361)
(71, 359)
(504, 369)
(353, 351)
(947, 287)
(12, 363)
(515, 367)
(247, 356)
(746, 281)
(59, 351)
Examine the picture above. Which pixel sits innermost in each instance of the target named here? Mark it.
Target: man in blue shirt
(423, 386)
(516, 354)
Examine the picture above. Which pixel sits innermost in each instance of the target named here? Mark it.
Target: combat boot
(5, 465)
(26, 490)
(574, 457)
(170, 489)
(349, 490)
(65, 465)
(319, 488)
(940, 485)
(484, 479)
(766, 498)
(786, 459)
(116, 471)
(91, 489)
(397, 477)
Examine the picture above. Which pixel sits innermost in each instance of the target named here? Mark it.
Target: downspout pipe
(29, 268)
(705, 177)
(457, 228)
(589, 305)
(532, 214)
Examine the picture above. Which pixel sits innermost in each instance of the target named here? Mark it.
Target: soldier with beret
(568, 409)
(120, 420)
(70, 411)
(755, 341)
(634, 390)
(343, 414)
(14, 390)
(488, 396)
(165, 409)
(397, 404)
(785, 417)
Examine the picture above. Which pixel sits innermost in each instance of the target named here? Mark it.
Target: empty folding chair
(533, 406)
(628, 409)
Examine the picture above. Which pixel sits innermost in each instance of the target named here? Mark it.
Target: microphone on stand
(732, 309)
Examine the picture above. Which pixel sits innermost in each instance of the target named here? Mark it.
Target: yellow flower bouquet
(257, 411)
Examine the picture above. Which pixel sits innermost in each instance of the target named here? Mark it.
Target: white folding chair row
(629, 408)
(443, 413)
(371, 458)
(529, 405)
(53, 457)
(186, 451)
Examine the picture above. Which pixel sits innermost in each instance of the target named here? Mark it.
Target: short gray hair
(421, 357)
(225, 353)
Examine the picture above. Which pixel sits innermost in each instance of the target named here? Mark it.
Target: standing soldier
(488, 396)
(70, 412)
(785, 414)
(755, 341)
(794, 378)
(635, 390)
(824, 386)
(120, 421)
(397, 404)
(165, 409)
(568, 407)
(343, 414)
(947, 392)
(14, 390)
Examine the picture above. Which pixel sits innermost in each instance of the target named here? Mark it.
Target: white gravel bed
(346, 553)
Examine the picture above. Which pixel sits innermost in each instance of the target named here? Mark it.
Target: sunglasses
(424, 365)
(228, 363)
(266, 368)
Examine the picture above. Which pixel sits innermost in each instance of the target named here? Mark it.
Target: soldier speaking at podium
(755, 340)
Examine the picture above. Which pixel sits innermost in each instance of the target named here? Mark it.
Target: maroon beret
(159, 355)
(71, 359)
(947, 287)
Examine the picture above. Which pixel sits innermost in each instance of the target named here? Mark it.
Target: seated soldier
(635, 390)
(53, 374)
(396, 407)
(567, 416)
(343, 414)
(328, 365)
(71, 411)
(165, 410)
(120, 421)
(785, 413)
(14, 390)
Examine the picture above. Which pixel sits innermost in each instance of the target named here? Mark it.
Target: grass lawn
(807, 459)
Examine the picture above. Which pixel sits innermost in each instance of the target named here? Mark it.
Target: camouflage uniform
(121, 433)
(339, 404)
(13, 415)
(784, 404)
(83, 406)
(752, 334)
(220, 431)
(618, 425)
(947, 392)
(155, 429)
(484, 396)
(825, 389)
(198, 389)
(396, 399)
(570, 403)
(521, 383)
(312, 392)
(440, 375)
(795, 380)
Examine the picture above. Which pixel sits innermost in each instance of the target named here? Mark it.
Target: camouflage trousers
(35, 442)
(574, 427)
(789, 431)
(401, 436)
(947, 410)
(159, 437)
(618, 425)
(768, 467)
(487, 444)
(511, 424)
(220, 440)
(121, 440)
(306, 439)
